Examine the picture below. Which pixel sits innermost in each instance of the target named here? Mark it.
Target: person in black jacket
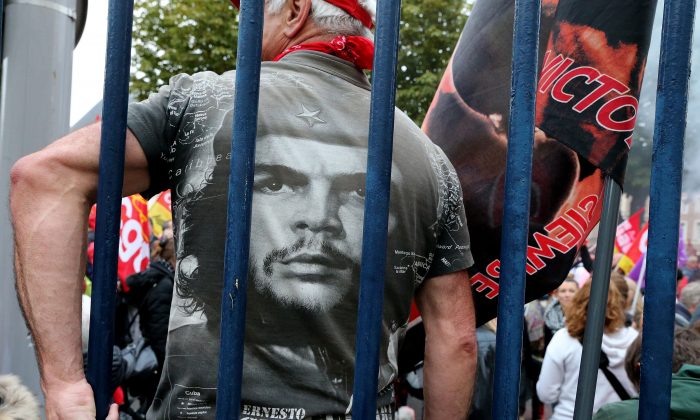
(151, 291)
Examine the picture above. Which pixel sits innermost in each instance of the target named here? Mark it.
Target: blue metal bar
(240, 198)
(376, 216)
(595, 317)
(664, 209)
(516, 212)
(109, 194)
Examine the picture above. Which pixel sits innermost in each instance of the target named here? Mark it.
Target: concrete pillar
(38, 39)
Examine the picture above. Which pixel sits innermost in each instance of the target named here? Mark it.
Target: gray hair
(690, 295)
(333, 19)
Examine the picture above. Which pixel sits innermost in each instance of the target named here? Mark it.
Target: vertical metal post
(516, 212)
(240, 197)
(664, 208)
(598, 302)
(36, 65)
(109, 193)
(376, 216)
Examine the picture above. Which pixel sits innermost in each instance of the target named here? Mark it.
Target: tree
(183, 36)
(188, 36)
(430, 30)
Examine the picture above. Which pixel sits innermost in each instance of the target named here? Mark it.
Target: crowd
(552, 348)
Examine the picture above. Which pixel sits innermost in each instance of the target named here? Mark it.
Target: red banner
(592, 57)
(635, 251)
(627, 232)
(134, 249)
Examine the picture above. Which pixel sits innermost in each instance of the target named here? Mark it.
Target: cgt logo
(618, 113)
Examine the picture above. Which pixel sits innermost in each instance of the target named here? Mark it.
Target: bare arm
(446, 305)
(51, 194)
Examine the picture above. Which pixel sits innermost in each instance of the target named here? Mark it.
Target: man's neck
(308, 35)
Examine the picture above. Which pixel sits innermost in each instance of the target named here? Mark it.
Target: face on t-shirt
(308, 205)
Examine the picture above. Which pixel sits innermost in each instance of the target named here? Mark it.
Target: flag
(159, 211)
(635, 252)
(682, 256)
(591, 65)
(627, 231)
(636, 271)
(134, 247)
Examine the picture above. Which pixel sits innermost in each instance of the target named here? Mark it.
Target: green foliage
(430, 30)
(187, 36)
(182, 36)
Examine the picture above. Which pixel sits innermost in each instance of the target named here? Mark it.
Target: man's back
(305, 248)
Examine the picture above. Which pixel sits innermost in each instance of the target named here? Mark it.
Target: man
(687, 304)
(305, 243)
(691, 270)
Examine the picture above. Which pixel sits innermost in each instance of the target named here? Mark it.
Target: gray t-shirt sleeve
(452, 248)
(155, 122)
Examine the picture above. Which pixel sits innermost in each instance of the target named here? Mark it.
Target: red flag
(635, 252)
(159, 211)
(133, 240)
(627, 232)
(134, 249)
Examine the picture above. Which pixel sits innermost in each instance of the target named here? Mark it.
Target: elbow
(33, 171)
(24, 177)
(459, 340)
(36, 176)
(545, 393)
(467, 342)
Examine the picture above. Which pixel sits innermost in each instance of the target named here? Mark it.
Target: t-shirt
(306, 234)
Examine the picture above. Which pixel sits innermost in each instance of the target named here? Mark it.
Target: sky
(89, 62)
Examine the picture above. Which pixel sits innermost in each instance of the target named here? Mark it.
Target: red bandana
(355, 49)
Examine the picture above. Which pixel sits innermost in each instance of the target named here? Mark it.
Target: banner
(627, 232)
(635, 252)
(160, 211)
(134, 247)
(592, 57)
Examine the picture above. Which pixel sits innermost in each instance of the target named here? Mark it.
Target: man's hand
(73, 401)
(446, 305)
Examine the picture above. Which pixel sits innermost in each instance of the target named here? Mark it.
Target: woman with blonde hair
(559, 376)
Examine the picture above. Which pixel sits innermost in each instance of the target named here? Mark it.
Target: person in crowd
(486, 362)
(151, 290)
(307, 217)
(691, 269)
(688, 303)
(554, 318)
(627, 295)
(560, 368)
(685, 382)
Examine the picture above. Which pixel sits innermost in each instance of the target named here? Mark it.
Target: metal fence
(663, 226)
